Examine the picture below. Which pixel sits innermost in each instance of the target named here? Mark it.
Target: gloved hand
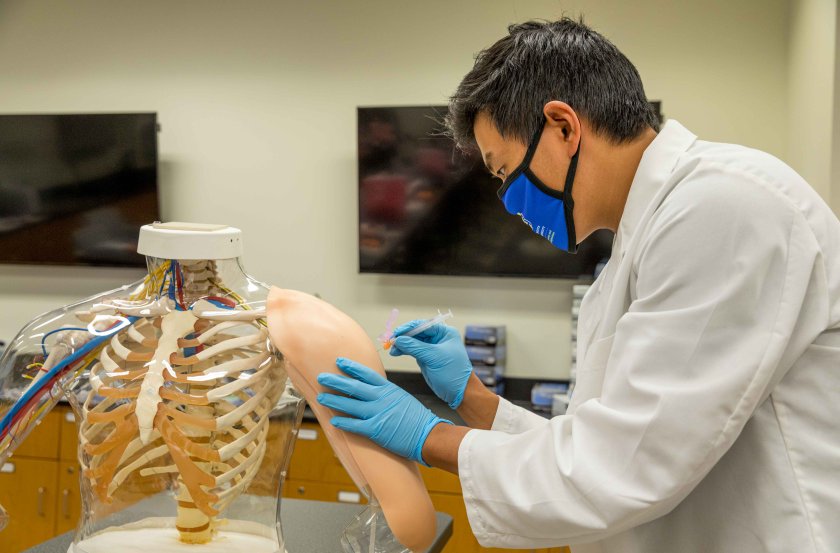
(382, 411)
(442, 358)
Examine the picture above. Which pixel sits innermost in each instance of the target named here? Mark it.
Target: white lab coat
(706, 416)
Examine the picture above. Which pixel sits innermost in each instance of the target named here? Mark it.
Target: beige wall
(835, 107)
(811, 93)
(257, 102)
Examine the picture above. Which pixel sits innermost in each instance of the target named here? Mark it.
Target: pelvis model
(185, 410)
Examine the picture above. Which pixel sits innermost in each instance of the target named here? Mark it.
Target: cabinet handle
(65, 503)
(307, 434)
(41, 493)
(301, 490)
(349, 497)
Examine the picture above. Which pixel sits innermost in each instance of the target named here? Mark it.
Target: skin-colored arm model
(312, 334)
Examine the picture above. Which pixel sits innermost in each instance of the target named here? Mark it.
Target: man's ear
(562, 117)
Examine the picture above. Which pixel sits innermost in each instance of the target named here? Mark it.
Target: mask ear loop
(526, 161)
(569, 203)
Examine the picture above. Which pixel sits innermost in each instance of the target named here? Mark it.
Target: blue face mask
(548, 212)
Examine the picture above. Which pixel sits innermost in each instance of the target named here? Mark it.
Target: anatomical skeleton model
(214, 445)
(173, 381)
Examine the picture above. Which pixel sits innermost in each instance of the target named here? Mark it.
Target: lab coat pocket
(590, 373)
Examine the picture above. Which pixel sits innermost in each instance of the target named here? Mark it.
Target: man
(706, 413)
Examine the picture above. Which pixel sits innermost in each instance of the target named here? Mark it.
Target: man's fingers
(349, 386)
(360, 372)
(395, 351)
(409, 346)
(352, 407)
(430, 334)
(351, 425)
(410, 325)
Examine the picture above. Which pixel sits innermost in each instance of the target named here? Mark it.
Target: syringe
(385, 337)
(437, 319)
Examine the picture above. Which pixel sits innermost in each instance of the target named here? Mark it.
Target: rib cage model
(185, 391)
(185, 417)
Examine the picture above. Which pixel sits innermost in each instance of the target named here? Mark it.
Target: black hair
(541, 61)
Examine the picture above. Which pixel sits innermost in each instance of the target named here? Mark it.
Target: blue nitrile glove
(442, 358)
(382, 411)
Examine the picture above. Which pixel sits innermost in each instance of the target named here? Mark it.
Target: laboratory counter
(308, 526)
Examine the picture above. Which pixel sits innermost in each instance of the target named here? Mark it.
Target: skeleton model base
(158, 534)
(173, 381)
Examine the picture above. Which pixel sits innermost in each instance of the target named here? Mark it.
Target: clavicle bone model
(174, 382)
(186, 416)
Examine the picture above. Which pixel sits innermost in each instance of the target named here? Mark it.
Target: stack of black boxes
(487, 350)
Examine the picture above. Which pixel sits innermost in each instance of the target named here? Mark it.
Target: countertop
(308, 526)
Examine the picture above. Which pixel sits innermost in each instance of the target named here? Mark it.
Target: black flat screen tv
(427, 209)
(75, 188)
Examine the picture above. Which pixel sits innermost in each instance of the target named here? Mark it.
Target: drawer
(28, 492)
(314, 458)
(69, 499)
(323, 491)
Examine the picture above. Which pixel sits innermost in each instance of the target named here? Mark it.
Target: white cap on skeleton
(189, 241)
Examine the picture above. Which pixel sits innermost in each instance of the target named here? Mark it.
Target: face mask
(548, 212)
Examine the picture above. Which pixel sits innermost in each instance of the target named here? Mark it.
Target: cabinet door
(314, 458)
(462, 540)
(69, 502)
(438, 480)
(334, 470)
(322, 491)
(42, 442)
(68, 448)
(311, 455)
(28, 491)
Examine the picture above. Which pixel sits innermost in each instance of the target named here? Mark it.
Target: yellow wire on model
(239, 299)
(86, 362)
(159, 273)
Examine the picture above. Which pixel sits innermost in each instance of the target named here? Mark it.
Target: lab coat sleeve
(722, 272)
(513, 419)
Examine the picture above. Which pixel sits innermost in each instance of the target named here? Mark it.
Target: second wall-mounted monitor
(427, 209)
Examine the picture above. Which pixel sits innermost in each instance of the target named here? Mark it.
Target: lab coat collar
(654, 171)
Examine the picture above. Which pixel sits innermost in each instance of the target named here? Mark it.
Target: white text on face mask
(546, 233)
